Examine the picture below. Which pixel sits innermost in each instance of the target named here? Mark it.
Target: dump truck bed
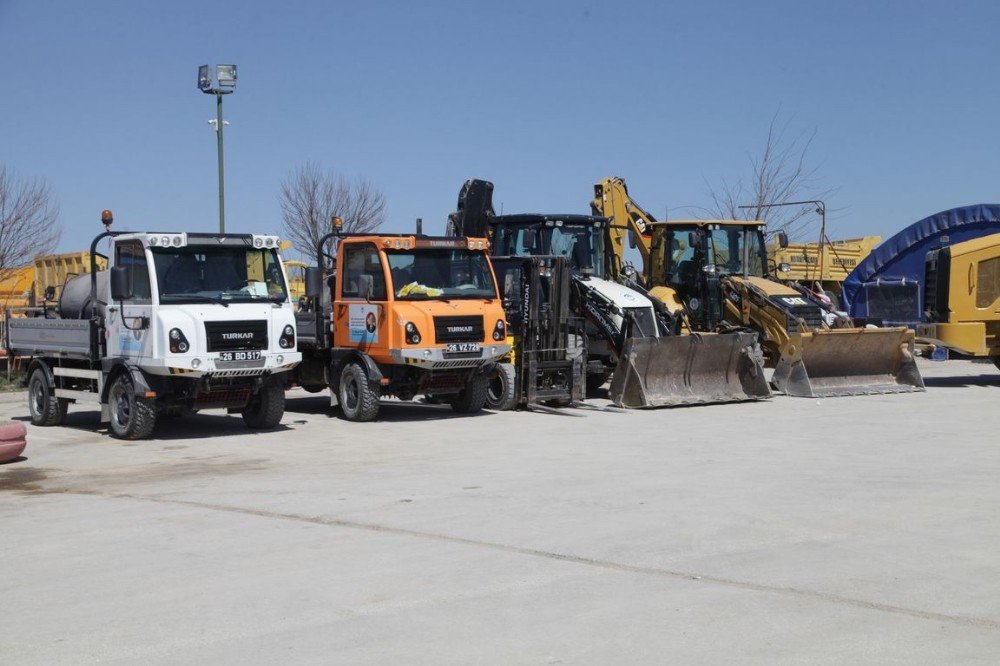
(33, 336)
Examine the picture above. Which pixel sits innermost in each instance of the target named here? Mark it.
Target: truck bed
(33, 336)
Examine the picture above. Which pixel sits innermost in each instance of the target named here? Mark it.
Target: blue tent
(888, 284)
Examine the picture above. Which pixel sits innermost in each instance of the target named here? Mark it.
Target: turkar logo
(237, 336)
(460, 329)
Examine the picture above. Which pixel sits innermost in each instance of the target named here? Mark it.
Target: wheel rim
(37, 398)
(121, 406)
(495, 388)
(350, 392)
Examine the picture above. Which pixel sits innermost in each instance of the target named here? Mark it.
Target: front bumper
(435, 358)
(194, 365)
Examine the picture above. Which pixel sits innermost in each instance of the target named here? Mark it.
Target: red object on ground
(13, 439)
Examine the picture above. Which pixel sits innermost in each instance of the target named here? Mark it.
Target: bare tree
(778, 175)
(28, 220)
(311, 197)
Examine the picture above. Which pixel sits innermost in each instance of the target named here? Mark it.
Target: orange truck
(401, 315)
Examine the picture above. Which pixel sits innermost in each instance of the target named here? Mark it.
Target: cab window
(131, 255)
(360, 260)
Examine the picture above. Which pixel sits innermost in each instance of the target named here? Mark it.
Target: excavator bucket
(689, 370)
(848, 361)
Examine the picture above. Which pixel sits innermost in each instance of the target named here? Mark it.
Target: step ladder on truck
(179, 322)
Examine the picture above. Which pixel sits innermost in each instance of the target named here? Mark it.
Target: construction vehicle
(400, 315)
(716, 274)
(547, 361)
(628, 339)
(962, 298)
(178, 323)
(821, 269)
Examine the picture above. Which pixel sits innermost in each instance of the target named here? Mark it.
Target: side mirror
(529, 239)
(121, 287)
(314, 282)
(366, 286)
(782, 240)
(783, 267)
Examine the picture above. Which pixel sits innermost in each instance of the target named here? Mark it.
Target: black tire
(357, 400)
(472, 398)
(45, 409)
(264, 411)
(501, 394)
(596, 381)
(132, 417)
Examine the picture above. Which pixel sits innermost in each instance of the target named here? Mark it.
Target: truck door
(128, 321)
(360, 312)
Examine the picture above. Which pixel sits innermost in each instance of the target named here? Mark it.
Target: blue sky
(542, 98)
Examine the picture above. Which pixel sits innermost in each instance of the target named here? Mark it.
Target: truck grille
(236, 335)
(458, 329)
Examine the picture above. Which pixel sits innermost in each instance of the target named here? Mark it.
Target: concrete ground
(847, 530)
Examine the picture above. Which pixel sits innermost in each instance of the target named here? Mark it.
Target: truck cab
(402, 315)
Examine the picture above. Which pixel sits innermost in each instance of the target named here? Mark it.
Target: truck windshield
(440, 273)
(582, 245)
(224, 273)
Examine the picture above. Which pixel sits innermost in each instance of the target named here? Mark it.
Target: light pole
(820, 208)
(222, 83)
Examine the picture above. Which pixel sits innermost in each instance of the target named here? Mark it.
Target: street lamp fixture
(221, 81)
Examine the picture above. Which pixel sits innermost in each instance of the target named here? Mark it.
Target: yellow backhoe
(716, 275)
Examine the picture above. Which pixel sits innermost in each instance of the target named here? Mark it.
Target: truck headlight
(500, 331)
(412, 333)
(287, 339)
(178, 343)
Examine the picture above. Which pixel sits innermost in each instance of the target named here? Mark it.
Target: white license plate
(239, 356)
(462, 347)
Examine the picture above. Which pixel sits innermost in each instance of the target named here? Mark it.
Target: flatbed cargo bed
(33, 336)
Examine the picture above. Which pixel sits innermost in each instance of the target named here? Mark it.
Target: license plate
(462, 347)
(239, 356)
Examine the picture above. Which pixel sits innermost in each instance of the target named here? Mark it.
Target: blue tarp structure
(888, 283)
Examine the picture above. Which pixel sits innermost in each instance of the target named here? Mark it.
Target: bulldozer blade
(689, 370)
(848, 361)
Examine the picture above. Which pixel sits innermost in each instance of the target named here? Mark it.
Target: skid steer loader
(628, 337)
(715, 274)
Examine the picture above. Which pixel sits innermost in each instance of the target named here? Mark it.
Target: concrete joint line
(981, 623)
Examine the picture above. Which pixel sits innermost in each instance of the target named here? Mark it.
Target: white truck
(179, 322)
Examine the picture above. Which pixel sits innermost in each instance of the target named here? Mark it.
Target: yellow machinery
(26, 286)
(296, 271)
(716, 273)
(822, 269)
(962, 298)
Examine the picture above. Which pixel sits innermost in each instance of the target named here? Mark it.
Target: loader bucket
(689, 370)
(848, 361)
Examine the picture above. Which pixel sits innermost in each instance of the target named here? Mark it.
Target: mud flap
(689, 370)
(848, 361)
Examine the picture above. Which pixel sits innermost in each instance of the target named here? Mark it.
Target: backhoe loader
(715, 274)
(627, 336)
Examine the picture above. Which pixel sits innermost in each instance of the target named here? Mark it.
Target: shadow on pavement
(961, 381)
(193, 426)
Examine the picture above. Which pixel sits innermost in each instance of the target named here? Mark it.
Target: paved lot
(850, 530)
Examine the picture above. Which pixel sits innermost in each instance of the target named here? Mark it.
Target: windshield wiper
(423, 297)
(197, 297)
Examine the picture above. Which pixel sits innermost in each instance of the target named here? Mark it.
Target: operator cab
(579, 238)
(686, 251)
